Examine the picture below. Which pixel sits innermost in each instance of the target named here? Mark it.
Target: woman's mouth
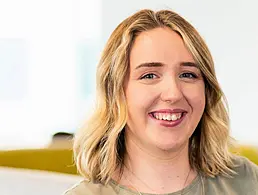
(168, 119)
(167, 116)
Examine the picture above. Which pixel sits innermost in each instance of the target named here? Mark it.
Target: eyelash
(190, 75)
(193, 76)
(145, 76)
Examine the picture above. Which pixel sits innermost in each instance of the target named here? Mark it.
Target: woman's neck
(156, 171)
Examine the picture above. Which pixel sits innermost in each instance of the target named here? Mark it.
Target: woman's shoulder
(90, 188)
(78, 188)
(245, 181)
(245, 168)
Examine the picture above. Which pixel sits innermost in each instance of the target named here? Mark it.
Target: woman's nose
(171, 91)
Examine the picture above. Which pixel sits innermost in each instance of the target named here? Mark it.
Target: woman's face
(165, 91)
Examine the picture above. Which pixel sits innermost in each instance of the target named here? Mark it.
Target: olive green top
(244, 183)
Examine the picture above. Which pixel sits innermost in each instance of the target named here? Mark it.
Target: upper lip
(171, 111)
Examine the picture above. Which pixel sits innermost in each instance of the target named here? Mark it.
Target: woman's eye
(149, 76)
(188, 75)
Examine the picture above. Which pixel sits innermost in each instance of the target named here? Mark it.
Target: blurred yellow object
(56, 160)
(249, 152)
(61, 160)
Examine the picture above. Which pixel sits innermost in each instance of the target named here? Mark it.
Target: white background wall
(42, 76)
(41, 79)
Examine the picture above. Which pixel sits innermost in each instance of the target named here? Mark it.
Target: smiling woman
(170, 86)
(160, 124)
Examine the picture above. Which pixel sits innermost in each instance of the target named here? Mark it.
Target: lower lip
(169, 123)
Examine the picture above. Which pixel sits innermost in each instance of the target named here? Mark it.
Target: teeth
(167, 116)
(174, 117)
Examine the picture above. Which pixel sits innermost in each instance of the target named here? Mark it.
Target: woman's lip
(169, 111)
(166, 123)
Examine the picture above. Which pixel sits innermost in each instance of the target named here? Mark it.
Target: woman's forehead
(159, 45)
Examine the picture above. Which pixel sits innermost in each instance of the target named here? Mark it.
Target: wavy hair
(99, 146)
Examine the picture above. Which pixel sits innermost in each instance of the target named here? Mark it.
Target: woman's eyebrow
(149, 64)
(160, 64)
(189, 64)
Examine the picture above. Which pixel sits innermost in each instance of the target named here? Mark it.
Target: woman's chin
(168, 141)
(169, 145)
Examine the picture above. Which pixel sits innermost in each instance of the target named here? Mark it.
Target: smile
(167, 118)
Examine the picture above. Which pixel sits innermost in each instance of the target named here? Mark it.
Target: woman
(160, 125)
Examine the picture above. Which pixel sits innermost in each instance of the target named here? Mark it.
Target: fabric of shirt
(245, 182)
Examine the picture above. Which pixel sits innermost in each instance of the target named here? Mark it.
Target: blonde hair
(99, 146)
